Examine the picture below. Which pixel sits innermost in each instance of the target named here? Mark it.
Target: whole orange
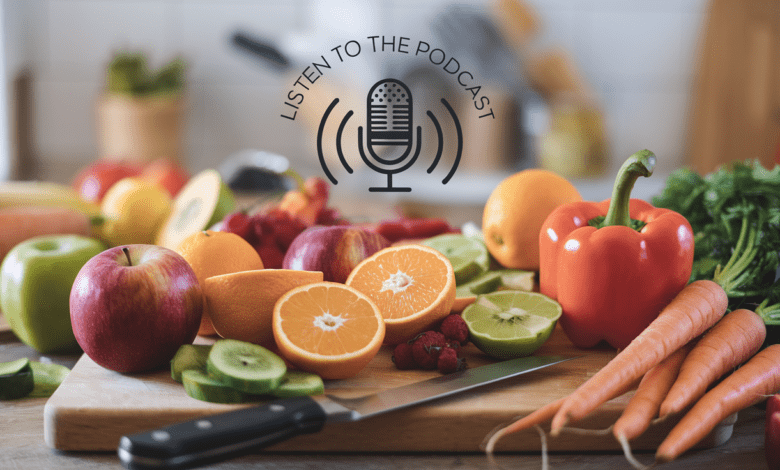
(213, 253)
(515, 211)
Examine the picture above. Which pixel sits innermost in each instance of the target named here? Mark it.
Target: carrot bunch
(674, 361)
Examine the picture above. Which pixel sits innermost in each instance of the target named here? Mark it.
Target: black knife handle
(221, 436)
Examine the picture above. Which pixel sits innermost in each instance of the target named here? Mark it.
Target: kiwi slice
(46, 378)
(16, 379)
(297, 383)
(189, 356)
(201, 386)
(245, 366)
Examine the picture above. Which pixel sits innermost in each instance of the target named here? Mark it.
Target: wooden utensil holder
(140, 129)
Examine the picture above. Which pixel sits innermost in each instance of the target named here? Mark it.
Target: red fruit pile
(435, 349)
(272, 230)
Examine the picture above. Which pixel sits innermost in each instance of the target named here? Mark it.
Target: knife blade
(221, 436)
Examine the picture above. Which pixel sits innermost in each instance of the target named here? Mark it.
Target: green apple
(35, 282)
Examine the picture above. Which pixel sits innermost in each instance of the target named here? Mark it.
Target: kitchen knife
(221, 436)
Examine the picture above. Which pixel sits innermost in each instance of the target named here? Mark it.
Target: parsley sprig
(735, 216)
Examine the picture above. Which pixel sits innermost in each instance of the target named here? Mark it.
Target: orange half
(241, 304)
(328, 328)
(413, 286)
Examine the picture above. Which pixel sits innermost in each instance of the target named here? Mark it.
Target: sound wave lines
(389, 119)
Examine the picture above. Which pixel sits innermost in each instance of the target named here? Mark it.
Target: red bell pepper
(772, 438)
(613, 277)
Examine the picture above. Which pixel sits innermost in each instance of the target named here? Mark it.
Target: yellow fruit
(328, 328)
(133, 211)
(413, 286)
(213, 253)
(515, 212)
(46, 194)
(241, 304)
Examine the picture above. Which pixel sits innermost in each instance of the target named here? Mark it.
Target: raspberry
(426, 348)
(455, 328)
(403, 357)
(449, 361)
(269, 252)
(240, 224)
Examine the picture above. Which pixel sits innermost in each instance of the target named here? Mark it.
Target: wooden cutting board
(94, 407)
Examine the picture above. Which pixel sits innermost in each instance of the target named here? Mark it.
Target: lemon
(468, 256)
(508, 324)
(133, 210)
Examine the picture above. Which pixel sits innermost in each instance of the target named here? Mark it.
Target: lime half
(468, 255)
(508, 324)
(482, 284)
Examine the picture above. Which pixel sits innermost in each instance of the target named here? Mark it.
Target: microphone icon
(389, 134)
(389, 118)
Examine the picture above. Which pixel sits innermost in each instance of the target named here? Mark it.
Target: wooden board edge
(410, 430)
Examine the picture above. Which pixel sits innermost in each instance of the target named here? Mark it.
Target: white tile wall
(639, 55)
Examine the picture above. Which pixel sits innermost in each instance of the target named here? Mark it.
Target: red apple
(166, 173)
(334, 250)
(772, 439)
(133, 306)
(92, 182)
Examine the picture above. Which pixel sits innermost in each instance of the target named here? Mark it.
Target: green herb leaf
(735, 216)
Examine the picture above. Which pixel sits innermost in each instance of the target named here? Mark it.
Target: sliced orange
(241, 305)
(328, 328)
(413, 286)
(213, 253)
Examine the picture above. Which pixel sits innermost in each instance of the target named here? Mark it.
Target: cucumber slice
(16, 379)
(297, 383)
(201, 386)
(13, 367)
(189, 356)
(46, 378)
(245, 366)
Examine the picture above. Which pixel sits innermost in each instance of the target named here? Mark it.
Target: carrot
(748, 385)
(644, 405)
(536, 418)
(18, 224)
(694, 310)
(732, 341)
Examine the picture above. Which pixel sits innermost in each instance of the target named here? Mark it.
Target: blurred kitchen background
(577, 85)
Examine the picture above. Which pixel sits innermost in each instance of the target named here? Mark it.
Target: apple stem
(127, 254)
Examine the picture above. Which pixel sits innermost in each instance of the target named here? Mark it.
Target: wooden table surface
(22, 445)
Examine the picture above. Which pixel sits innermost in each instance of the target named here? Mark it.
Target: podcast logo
(387, 139)
(391, 144)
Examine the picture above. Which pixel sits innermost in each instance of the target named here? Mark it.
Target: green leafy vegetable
(129, 74)
(735, 216)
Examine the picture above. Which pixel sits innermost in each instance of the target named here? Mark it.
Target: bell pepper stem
(639, 164)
